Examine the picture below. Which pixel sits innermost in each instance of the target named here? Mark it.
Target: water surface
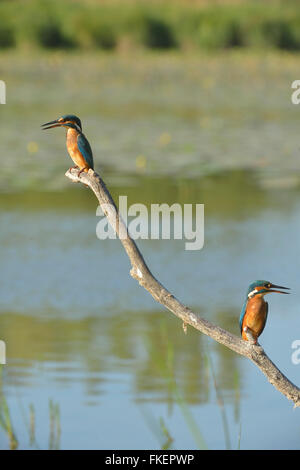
(116, 368)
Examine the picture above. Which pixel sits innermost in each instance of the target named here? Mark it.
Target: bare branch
(140, 272)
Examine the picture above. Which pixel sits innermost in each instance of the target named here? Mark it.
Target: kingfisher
(255, 309)
(77, 144)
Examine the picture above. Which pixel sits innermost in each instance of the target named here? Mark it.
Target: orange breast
(73, 150)
(255, 316)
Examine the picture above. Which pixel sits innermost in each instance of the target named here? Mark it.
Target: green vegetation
(69, 24)
(5, 418)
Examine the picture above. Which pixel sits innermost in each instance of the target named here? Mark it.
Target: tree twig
(140, 272)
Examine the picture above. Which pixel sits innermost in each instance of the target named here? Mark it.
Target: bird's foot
(74, 168)
(82, 170)
(250, 336)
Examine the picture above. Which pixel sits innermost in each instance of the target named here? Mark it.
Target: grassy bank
(70, 24)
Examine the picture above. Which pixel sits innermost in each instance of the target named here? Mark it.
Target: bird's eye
(269, 286)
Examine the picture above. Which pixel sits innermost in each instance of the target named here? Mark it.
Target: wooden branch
(140, 272)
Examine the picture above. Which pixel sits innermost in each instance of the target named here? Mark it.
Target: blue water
(81, 332)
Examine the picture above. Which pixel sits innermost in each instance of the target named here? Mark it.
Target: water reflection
(90, 350)
(78, 329)
(228, 195)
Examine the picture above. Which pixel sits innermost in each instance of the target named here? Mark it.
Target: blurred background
(182, 101)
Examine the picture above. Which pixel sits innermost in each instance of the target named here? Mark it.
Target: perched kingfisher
(255, 309)
(77, 144)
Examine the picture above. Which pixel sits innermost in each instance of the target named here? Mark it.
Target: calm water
(80, 332)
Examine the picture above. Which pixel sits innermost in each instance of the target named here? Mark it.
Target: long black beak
(51, 124)
(274, 287)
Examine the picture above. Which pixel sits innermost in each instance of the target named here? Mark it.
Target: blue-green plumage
(72, 118)
(85, 149)
(243, 311)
